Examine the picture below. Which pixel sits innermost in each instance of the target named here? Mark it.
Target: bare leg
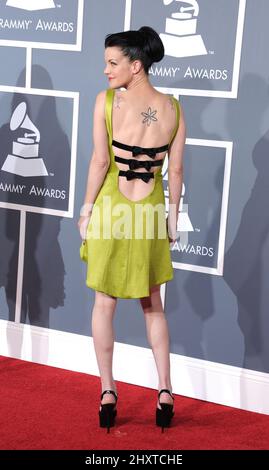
(158, 338)
(103, 339)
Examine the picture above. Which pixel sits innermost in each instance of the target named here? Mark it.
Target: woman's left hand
(171, 240)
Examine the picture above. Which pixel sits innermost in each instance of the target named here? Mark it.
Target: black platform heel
(166, 413)
(108, 411)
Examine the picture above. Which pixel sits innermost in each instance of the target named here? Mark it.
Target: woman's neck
(140, 84)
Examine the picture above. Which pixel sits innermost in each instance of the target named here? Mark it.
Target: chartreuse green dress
(127, 248)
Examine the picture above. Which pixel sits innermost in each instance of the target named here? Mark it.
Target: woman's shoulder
(166, 100)
(100, 100)
(101, 95)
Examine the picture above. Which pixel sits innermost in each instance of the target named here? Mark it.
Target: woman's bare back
(145, 121)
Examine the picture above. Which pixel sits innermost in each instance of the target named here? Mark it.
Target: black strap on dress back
(134, 164)
(136, 150)
(129, 174)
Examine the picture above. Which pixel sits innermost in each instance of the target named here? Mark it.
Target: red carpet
(47, 408)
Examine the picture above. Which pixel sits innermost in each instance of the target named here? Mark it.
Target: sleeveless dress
(122, 263)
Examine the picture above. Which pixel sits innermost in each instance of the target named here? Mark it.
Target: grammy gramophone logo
(24, 160)
(31, 5)
(180, 38)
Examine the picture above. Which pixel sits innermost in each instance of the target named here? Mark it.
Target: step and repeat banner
(45, 145)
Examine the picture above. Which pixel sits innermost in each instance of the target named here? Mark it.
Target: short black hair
(143, 44)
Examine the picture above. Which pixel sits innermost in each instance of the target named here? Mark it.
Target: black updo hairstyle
(144, 45)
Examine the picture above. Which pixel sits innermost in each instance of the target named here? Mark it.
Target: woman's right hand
(82, 225)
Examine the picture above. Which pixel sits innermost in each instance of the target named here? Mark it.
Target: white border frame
(236, 65)
(52, 46)
(62, 94)
(224, 207)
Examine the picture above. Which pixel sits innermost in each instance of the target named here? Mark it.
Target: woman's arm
(175, 175)
(99, 162)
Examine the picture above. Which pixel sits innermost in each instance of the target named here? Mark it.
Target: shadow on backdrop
(246, 264)
(43, 269)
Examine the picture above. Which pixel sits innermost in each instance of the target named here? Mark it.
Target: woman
(133, 130)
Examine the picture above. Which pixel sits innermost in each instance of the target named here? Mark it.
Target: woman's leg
(158, 337)
(103, 339)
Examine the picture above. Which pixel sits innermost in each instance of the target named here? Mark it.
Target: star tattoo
(118, 99)
(149, 117)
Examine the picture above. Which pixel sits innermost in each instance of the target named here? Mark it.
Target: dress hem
(100, 289)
